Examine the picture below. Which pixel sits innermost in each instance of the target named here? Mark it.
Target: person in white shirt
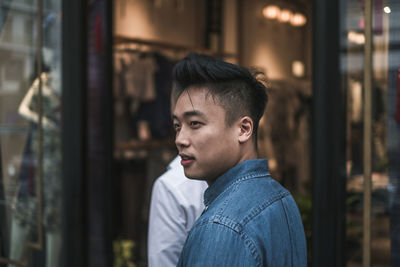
(176, 203)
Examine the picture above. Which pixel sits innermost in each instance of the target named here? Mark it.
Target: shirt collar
(175, 163)
(245, 169)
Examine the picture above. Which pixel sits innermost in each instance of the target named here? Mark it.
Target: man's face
(207, 146)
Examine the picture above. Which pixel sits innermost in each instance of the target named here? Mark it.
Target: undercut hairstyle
(237, 90)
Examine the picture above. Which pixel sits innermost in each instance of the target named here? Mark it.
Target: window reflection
(385, 135)
(30, 144)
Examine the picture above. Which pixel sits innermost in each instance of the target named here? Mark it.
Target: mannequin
(31, 115)
(24, 216)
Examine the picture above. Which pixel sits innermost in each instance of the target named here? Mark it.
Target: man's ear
(246, 127)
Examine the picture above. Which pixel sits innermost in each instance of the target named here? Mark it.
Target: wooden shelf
(148, 144)
(118, 39)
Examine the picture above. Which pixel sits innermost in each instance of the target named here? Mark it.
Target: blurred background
(85, 124)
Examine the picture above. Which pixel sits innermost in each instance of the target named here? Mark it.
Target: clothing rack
(118, 39)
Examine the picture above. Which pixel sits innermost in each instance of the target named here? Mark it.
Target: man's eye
(194, 124)
(176, 127)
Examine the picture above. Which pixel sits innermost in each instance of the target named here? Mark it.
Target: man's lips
(186, 160)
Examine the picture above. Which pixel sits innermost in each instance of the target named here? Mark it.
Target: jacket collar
(244, 170)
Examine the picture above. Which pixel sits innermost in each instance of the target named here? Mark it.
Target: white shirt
(176, 203)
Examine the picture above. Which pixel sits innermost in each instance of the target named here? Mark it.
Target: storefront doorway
(149, 37)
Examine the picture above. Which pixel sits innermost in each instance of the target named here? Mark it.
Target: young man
(249, 219)
(176, 203)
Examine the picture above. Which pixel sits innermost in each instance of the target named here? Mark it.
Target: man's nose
(182, 138)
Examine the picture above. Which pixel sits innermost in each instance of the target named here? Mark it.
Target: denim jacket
(249, 220)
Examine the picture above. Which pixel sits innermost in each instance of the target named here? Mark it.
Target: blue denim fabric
(249, 220)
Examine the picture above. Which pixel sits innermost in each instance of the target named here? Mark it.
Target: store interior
(150, 36)
(272, 36)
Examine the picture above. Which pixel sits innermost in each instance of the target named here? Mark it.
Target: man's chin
(193, 176)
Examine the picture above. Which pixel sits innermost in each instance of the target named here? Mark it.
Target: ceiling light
(271, 12)
(298, 68)
(285, 15)
(298, 20)
(356, 38)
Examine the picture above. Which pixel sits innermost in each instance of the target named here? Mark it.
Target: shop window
(384, 150)
(30, 134)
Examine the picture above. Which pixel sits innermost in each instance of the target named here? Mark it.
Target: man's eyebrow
(189, 114)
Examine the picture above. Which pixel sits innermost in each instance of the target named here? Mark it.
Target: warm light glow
(285, 15)
(355, 37)
(271, 12)
(387, 10)
(298, 68)
(298, 20)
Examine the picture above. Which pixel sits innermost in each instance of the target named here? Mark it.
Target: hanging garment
(158, 112)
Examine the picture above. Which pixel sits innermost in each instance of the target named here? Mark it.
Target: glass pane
(385, 132)
(392, 106)
(380, 181)
(30, 151)
(352, 57)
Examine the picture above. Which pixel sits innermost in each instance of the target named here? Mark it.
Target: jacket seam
(263, 206)
(234, 184)
(248, 242)
(249, 176)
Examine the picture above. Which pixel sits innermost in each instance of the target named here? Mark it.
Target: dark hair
(237, 90)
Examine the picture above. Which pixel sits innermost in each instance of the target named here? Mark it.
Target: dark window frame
(329, 137)
(74, 77)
